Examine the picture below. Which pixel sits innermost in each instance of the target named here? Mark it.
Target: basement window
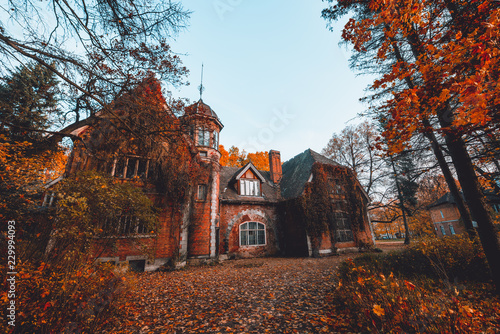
(252, 234)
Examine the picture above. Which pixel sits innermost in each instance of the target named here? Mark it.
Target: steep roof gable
(296, 172)
(270, 193)
(244, 169)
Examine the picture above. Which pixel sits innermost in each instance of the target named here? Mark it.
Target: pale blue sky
(274, 73)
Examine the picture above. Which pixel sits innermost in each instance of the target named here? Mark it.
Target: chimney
(275, 166)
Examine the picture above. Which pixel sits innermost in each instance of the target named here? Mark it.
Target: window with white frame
(252, 234)
(249, 187)
(203, 137)
(443, 231)
(130, 167)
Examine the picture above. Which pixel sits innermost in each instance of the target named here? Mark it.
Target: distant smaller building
(446, 217)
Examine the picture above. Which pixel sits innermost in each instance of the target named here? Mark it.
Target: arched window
(252, 234)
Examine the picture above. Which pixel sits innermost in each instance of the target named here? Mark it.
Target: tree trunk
(474, 196)
(401, 204)
(450, 181)
(438, 153)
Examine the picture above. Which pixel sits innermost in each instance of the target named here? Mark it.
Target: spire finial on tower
(201, 88)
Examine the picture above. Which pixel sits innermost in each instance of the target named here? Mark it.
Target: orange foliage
(450, 70)
(235, 158)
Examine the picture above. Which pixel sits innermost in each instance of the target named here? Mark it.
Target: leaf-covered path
(271, 295)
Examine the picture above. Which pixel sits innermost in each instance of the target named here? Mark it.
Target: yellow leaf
(378, 310)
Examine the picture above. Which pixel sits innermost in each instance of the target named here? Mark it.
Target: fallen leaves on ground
(272, 295)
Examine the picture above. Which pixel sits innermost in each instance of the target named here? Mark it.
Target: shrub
(55, 299)
(59, 286)
(449, 258)
(367, 302)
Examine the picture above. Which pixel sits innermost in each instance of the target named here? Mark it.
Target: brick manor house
(235, 212)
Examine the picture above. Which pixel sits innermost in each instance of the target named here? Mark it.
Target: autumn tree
(235, 158)
(440, 75)
(28, 102)
(28, 106)
(356, 147)
(62, 287)
(97, 49)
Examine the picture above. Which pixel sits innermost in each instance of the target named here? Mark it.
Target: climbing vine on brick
(332, 194)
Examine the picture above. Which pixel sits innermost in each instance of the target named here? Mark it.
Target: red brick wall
(446, 215)
(233, 215)
(275, 166)
(200, 224)
(160, 245)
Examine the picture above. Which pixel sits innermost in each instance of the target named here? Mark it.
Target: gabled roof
(244, 169)
(448, 198)
(270, 193)
(296, 172)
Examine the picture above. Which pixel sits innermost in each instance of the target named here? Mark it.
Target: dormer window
(203, 137)
(249, 187)
(249, 181)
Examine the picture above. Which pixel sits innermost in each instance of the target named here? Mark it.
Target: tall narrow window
(202, 192)
(216, 140)
(441, 212)
(338, 186)
(131, 167)
(120, 167)
(252, 234)
(443, 231)
(452, 229)
(203, 137)
(142, 168)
